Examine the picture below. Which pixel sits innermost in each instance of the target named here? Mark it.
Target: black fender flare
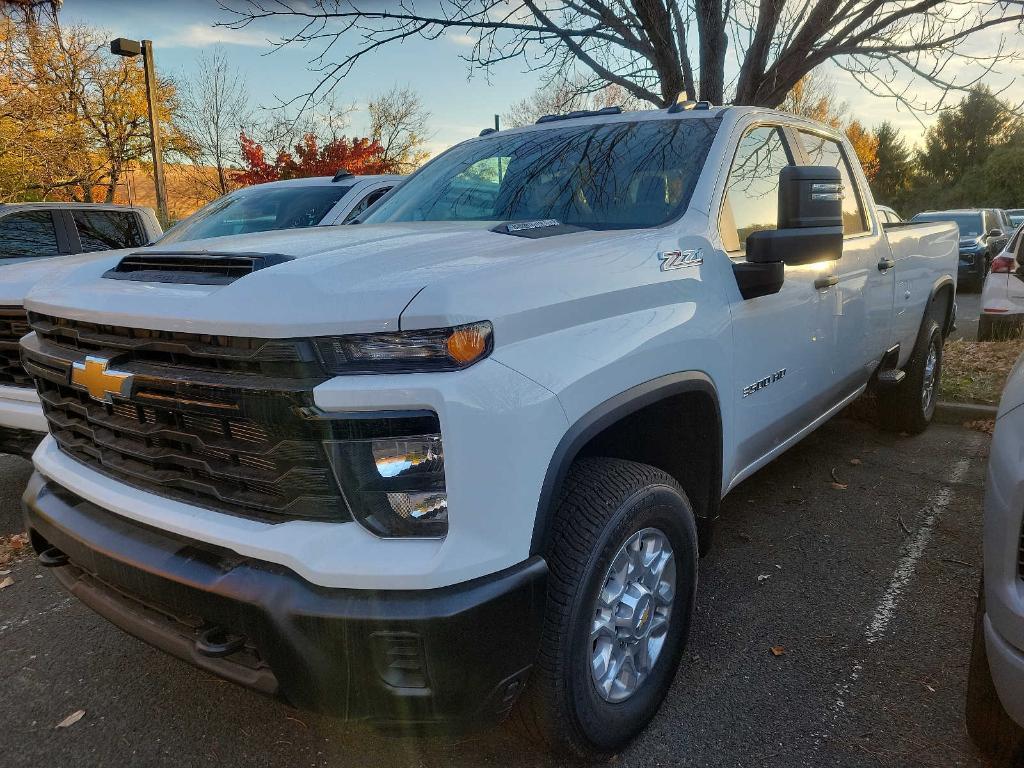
(604, 415)
(940, 284)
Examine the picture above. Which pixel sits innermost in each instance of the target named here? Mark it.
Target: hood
(971, 242)
(341, 279)
(17, 277)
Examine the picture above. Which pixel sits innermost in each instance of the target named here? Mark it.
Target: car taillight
(1003, 264)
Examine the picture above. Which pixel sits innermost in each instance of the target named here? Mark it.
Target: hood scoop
(192, 267)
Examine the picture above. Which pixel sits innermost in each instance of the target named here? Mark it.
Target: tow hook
(52, 558)
(217, 642)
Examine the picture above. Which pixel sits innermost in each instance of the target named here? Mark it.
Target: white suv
(1002, 297)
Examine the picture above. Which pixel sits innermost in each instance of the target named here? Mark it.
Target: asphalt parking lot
(968, 308)
(856, 555)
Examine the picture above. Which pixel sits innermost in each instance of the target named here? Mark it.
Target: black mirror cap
(806, 245)
(810, 196)
(995, 233)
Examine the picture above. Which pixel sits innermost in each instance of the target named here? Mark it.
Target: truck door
(862, 310)
(781, 342)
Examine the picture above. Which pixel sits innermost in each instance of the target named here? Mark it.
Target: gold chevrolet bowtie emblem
(101, 383)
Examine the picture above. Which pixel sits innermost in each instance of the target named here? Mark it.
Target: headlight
(394, 485)
(437, 349)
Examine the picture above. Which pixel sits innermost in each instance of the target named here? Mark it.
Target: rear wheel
(988, 724)
(910, 405)
(621, 588)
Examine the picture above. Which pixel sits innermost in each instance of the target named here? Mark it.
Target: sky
(461, 102)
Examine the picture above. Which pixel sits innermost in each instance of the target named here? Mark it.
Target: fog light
(394, 486)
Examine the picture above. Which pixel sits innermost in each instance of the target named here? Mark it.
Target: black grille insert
(13, 325)
(192, 267)
(240, 442)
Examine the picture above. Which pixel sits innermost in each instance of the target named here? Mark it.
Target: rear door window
(107, 230)
(822, 150)
(27, 234)
(366, 202)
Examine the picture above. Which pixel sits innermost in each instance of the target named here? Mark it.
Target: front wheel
(910, 405)
(621, 589)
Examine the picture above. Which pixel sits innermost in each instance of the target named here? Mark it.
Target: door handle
(886, 264)
(826, 282)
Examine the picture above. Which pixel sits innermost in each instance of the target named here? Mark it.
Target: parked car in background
(328, 418)
(1016, 217)
(289, 204)
(887, 215)
(295, 203)
(982, 236)
(38, 230)
(1002, 297)
(31, 235)
(995, 682)
(1005, 222)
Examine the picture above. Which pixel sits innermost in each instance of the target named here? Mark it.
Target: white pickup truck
(460, 459)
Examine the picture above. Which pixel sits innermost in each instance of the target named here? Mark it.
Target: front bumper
(1006, 664)
(451, 656)
(22, 424)
(971, 266)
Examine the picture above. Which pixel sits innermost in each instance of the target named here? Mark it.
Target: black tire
(602, 503)
(988, 724)
(902, 408)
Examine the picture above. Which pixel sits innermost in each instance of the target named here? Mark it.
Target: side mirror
(810, 229)
(994, 233)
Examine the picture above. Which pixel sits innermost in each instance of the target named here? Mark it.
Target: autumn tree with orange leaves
(359, 156)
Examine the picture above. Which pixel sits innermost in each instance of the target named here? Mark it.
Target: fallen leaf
(763, 577)
(839, 486)
(981, 425)
(855, 462)
(777, 650)
(71, 719)
(8, 581)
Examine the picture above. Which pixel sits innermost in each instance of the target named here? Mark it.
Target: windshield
(1016, 216)
(969, 223)
(610, 176)
(258, 209)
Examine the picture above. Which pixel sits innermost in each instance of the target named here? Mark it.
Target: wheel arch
(943, 290)
(673, 423)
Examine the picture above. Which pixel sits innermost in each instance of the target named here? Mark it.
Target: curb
(957, 413)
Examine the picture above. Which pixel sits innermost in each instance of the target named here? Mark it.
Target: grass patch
(976, 371)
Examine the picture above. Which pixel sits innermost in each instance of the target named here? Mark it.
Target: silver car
(995, 687)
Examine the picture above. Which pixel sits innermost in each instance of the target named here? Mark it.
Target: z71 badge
(767, 381)
(680, 259)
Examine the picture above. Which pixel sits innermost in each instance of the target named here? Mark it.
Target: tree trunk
(115, 174)
(713, 45)
(222, 177)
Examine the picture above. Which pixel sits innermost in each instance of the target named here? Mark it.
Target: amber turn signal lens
(468, 343)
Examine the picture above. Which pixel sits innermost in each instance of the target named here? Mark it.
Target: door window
(30, 233)
(106, 230)
(365, 203)
(751, 201)
(824, 151)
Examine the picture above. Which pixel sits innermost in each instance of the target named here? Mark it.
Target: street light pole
(125, 47)
(154, 132)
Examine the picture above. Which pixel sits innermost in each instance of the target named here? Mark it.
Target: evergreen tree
(894, 176)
